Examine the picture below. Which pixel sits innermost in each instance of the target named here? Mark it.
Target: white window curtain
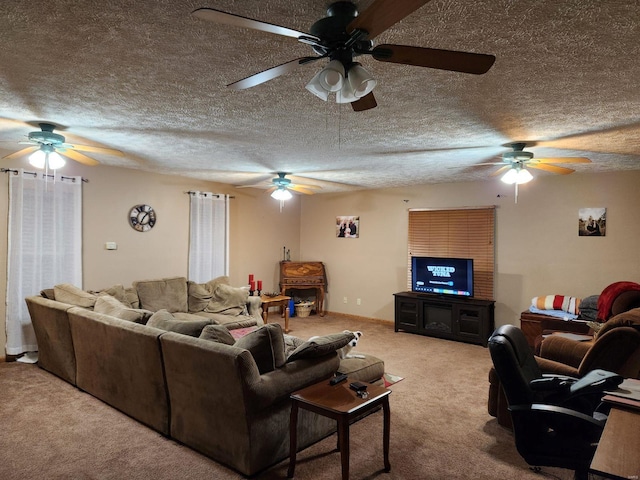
(208, 236)
(45, 246)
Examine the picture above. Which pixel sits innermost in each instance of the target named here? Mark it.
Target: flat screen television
(447, 276)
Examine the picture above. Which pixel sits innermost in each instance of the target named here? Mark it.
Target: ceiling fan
(47, 149)
(516, 162)
(344, 34)
(281, 187)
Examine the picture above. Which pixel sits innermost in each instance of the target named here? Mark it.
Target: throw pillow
(266, 346)
(200, 293)
(117, 291)
(67, 293)
(163, 320)
(165, 294)
(217, 333)
(228, 300)
(320, 346)
(112, 306)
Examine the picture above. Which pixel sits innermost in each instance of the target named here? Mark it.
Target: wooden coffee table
(281, 301)
(343, 405)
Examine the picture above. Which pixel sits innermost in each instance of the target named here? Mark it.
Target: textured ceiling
(150, 79)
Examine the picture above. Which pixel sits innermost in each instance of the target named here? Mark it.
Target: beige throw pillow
(67, 293)
(228, 300)
(112, 306)
(163, 320)
(200, 293)
(217, 333)
(266, 345)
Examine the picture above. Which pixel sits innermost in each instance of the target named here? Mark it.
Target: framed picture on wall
(592, 222)
(347, 227)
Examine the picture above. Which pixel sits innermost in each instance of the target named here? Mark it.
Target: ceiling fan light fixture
(46, 156)
(361, 81)
(517, 175)
(281, 194)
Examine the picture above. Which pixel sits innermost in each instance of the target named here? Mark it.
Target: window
(458, 233)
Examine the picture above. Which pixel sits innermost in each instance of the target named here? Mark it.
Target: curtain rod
(35, 174)
(217, 195)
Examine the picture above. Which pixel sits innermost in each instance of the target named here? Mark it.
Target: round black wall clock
(142, 218)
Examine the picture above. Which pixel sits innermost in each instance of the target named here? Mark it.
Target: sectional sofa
(162, 351)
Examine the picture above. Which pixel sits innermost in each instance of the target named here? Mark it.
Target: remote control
(340, 377)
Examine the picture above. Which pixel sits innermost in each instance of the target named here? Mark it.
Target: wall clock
(142, 218)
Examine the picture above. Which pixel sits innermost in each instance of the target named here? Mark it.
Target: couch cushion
(165, 294)
(117, 291)
(112, 306)
(367, 369)
(266, 345)
(163, 320)
(320, 346)
(228, 300)
(217, 333)
(200, 293)
(67, 293)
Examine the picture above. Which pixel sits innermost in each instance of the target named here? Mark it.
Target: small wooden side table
(281, 301)
(343, 405)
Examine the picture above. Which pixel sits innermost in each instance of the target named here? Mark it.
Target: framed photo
(347, 227)
(592, 222)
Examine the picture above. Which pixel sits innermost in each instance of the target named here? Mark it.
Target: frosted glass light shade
(361, 81)
(41, 158)
(517, 175)
(281, 194)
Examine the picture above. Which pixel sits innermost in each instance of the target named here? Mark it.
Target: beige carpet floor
(440, 428)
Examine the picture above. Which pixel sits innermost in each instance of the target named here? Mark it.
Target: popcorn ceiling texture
(150, 79)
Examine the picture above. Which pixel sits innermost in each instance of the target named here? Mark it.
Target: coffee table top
(338, 398)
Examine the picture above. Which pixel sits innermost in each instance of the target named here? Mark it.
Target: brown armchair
(615, 347)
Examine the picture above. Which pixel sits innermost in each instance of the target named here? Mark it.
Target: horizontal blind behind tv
(457, 233)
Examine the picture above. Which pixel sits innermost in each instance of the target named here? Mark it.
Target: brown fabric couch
(227, 401)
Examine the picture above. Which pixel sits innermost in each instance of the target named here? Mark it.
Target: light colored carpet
(440, 428)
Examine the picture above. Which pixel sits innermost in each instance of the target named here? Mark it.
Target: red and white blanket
(557, 302)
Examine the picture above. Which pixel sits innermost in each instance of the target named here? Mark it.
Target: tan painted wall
(538, 251)
(258, 229)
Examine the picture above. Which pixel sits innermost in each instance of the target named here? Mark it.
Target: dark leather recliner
(548, 429)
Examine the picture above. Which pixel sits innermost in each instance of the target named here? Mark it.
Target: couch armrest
(556, 368)
(564, 350)
(254, 308)
(279, 384)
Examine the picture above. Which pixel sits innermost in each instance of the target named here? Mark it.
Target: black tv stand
(464, 319)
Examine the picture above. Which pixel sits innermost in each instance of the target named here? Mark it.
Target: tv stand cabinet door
(407, 314)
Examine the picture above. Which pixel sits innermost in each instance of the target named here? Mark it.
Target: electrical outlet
(344, 300)
(358, 302)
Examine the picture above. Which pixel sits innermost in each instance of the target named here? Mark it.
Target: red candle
(259, 284)
(253, 285)
(250, 278)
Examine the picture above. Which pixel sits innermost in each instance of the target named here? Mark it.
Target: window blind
(457, 233)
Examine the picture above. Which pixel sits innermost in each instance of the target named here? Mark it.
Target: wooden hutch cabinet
(455, 318)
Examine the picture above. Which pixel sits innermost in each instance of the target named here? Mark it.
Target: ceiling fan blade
(383, 14)
(89, 148)
(562, 160)
(465, 62)
(271, 189)
(500, 170)
(301, 189)
(270, 74)
(550, 168)
(78, 157)
(365, 103)
(20, 153)
(218, 16)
